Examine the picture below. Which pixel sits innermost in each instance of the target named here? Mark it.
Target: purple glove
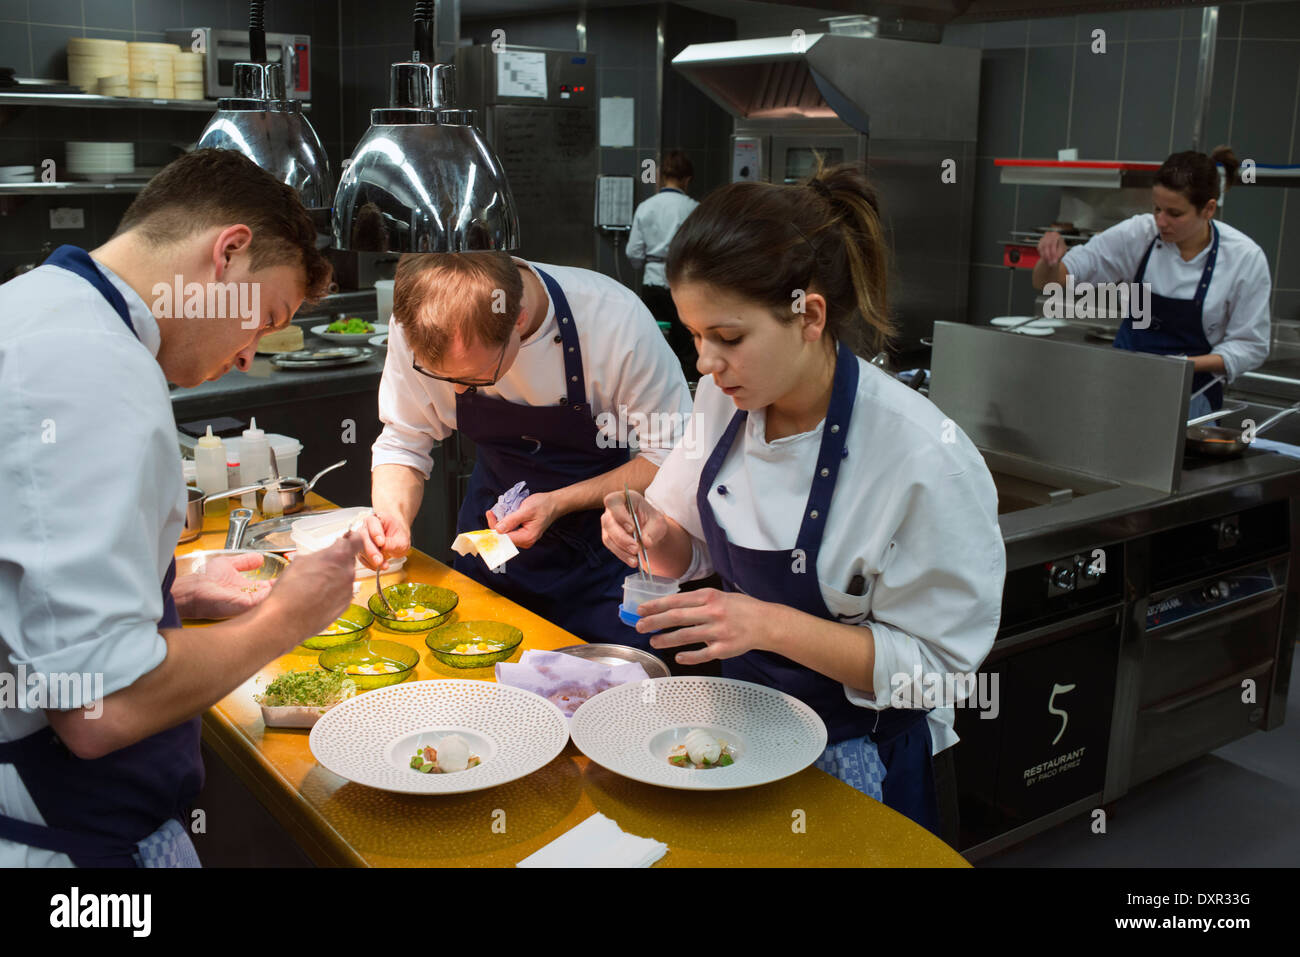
(510, 500)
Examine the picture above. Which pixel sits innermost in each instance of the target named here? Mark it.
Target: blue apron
(98, 811)
(1176, 326)
(901, 736)
(568, 576)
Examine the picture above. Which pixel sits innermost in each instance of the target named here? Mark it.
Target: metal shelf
(1114, 174)
(68, 189)
(96, 101)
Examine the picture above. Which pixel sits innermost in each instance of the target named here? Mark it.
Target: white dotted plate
(630, 730)
(371, 738)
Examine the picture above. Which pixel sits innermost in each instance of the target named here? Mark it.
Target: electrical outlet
(66, 218)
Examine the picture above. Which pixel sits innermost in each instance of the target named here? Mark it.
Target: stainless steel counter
(270, 386)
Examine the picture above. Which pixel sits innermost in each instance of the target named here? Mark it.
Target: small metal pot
(293, 491)
(195, 501)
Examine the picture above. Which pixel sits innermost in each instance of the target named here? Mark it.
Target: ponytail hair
(1196, 176)
(765, 242)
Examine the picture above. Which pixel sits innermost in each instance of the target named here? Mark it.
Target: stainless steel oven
(224, 48)
(1211, 647)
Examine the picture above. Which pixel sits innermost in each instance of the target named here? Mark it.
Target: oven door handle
(1206, 691)
(1203, 622)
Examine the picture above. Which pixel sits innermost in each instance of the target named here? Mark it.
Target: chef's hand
(316, 588)
(220, 591)
(1051, 248)
(526, 524)
(729, 623)
(616, 526)
(383, 537)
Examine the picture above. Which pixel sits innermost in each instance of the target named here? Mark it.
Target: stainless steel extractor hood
(890, 89)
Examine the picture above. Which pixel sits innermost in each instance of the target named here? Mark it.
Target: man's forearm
(1211, 362)
(1043, 274)
(202, 666)
(397, 489)
(590, 493)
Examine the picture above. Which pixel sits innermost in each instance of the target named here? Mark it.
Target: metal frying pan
(1221, 442)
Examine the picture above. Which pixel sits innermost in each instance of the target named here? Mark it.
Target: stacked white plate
(89, 59)
(187, 69)
(100, 160)
(17, 174)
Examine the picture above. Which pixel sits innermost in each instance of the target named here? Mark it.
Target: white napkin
(1281, 448)
(597, 842)
(566, 680)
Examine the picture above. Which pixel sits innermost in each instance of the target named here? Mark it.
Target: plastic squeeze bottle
(210, 469)
(254, 461)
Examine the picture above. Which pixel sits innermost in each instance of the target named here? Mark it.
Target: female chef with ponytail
(854, 528)
(1209, 282)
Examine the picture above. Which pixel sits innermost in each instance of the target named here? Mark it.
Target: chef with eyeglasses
(563, 382)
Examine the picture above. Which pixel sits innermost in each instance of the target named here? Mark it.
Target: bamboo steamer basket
(144, 85)
(89, 59)
(116, 85)
(90, 46)
(189, 91)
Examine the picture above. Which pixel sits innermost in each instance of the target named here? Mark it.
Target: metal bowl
(619, 655)
(195, 562)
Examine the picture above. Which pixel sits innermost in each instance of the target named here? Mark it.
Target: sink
(1023, 484)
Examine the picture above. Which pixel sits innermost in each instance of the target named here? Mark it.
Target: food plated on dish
(416, 607)
(451, 754)
(474, 644)
(372, 663)
(701, 750)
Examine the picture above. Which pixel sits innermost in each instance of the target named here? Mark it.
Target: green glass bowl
(360, 621)
(444, 640)
(368, 651)
(406, 594)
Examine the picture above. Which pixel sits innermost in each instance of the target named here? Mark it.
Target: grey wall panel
(1150, 69)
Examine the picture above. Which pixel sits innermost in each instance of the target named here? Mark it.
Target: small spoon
(379, 590)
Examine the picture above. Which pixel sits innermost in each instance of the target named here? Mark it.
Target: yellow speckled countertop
(808, 820)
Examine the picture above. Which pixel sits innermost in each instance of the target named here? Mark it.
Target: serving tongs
(642, 557)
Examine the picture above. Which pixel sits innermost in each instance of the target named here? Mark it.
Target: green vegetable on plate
(352, 326)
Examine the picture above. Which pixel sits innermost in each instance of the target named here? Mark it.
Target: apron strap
(835, 433)
(77, 260)
(574, 382)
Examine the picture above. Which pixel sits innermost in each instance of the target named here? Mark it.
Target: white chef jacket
(625, 361)
(1235, 314)
(80, 567)
(654, 224)
(916, 516)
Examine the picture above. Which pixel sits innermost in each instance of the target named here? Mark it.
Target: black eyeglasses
(469, 383)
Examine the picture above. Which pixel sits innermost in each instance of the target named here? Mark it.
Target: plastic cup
(638, 589)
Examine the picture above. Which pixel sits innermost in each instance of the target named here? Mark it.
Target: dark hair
(676, 165)
(763, 242)
(1196, 175)
(209, 188)
(441, 297)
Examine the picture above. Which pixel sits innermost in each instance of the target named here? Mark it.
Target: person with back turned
(654, 224)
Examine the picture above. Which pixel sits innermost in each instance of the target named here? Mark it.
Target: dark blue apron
(901, 736)
(1176, 326)
(96, 811)
(568, 576)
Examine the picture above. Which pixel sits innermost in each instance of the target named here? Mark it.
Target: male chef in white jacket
(563, 381)
(99, 729)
